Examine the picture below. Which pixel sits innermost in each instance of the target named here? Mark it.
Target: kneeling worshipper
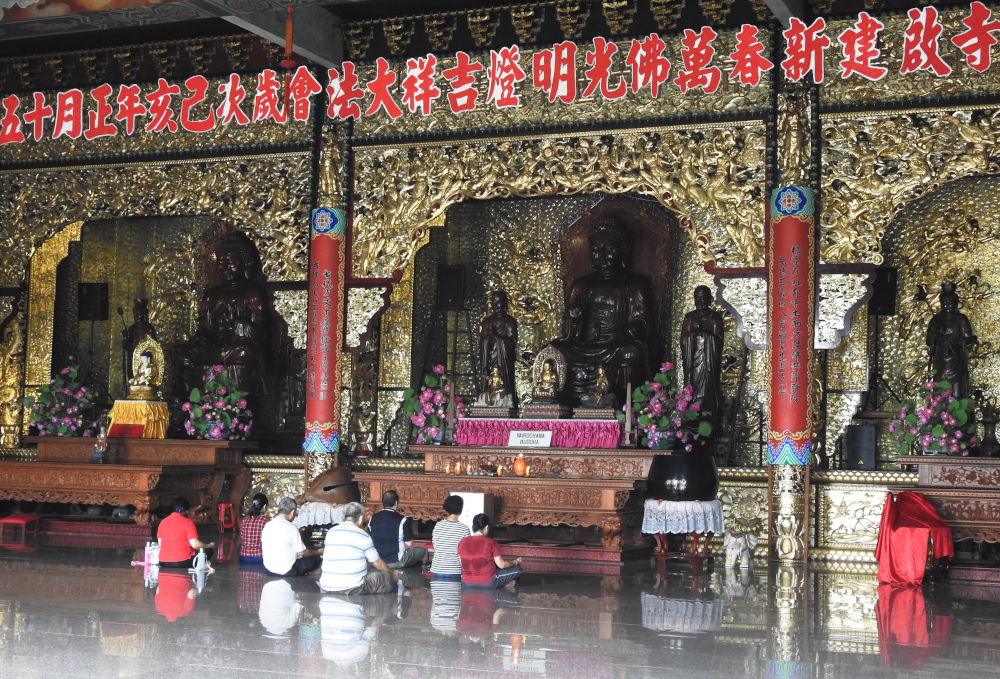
(482, 565)
(347, 554)
(393, 535)
(281, 545)
(178, 538)
(446, 536)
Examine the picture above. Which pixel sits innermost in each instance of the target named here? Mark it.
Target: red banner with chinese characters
(791, 311)
(565, 72)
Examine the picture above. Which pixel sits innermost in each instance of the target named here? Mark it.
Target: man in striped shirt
(348, 551)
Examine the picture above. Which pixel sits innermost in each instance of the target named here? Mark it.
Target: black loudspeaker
(451, 286)
(861, 446)
(883, 301)
(93, 302)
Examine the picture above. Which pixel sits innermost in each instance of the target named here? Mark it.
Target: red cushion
(22, 519)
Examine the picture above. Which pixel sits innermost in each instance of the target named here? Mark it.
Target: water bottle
(200, 562)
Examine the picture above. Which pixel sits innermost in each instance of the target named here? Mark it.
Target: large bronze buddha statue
(949, 336)
(232, 324)
(607, 320)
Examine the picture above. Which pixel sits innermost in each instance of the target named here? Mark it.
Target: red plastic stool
(15, 520)
(226, 517)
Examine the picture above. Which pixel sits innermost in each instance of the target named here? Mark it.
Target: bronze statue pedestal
(591, 413)
(545, 411)
(492, 412)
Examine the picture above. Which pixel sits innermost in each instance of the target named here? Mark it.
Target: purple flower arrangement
(935, 425)
(218, 412)
(664, 418)
(428, 410)
(57, 409)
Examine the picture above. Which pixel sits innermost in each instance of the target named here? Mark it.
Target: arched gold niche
(266, 196)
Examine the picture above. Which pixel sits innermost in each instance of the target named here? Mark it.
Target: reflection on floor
(85, 612)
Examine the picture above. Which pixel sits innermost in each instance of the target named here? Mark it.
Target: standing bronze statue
(232, 324)
(498, 346)
(607, 321)
(949, 335)
(701, 346)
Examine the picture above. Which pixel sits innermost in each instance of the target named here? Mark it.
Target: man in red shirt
(482, 565)
(178, 538)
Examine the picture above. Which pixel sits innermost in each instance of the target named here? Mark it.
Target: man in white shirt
(348, 552)
(282, 547)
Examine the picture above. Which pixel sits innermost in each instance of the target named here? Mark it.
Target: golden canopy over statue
(607, 320)
(232, 324)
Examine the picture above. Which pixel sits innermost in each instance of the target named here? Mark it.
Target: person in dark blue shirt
(393, 536)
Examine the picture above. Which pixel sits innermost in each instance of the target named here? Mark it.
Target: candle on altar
(527, 471)
(499, 470)
(468, 469)
(447, 468)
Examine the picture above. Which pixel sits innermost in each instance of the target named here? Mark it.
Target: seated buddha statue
(232, 324)
(606, 324)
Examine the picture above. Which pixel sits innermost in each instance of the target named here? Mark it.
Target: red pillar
(791, 288)
(326, 309)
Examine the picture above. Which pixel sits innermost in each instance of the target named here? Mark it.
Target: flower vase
(220, 434)
(520, 464)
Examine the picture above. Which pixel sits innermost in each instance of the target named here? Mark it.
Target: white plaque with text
(529, 439)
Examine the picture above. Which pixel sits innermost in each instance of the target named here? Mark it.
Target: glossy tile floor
(78, 612)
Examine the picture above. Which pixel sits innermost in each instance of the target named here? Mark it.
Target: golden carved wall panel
(362, 305)
(291, 304)
(265, 196)
(895, 86)
(230, 135)
(876, 163)
(710, 176)
(42, 297)
(11, 374)
(849, 516)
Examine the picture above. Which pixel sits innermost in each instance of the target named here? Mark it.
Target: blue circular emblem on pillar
(328, 220)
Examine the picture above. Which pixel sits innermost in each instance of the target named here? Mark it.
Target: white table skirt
(663, 614)
(318, 514)
(683, 517)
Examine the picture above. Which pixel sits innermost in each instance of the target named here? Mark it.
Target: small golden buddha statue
(545, 387)
(494, 388)
(600, 388)
(147, 370)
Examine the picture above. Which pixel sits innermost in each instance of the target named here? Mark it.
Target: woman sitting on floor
(482, 565)
(250, 530)
(446, 536)
(178, 538)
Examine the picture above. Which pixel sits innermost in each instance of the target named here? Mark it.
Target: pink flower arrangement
(56, 409)
(935, 424)
(428, 410)
(664, 418)
(218, 411)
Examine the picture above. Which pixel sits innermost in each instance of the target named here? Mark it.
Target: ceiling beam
(318, 36)
(785, 9)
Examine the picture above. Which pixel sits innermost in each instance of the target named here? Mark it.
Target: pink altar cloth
(565, 433)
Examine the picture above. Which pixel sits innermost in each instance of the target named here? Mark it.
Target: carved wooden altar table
(144, 473)
(965, 491)
(573, 463)
(612, 504)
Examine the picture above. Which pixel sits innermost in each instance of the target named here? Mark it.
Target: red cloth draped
(903, 637)
(565, 433)
(907, 522)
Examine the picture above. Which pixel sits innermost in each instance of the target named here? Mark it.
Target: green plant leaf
(943, 384)
(198, 412)
(644, 420)
(910, 438)
(195, 394)
(902, 449)
(938, 431)
(28, 402)
(911, 419)
(663, 423)
(408, 393)
(227, 419)
(431, 381)
(620, 416)
(704, 428)
(954, 405)
(962, 418)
